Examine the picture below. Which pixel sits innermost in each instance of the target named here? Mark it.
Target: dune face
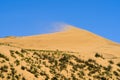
(72, 41)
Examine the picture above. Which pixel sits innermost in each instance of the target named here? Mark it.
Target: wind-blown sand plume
(71, 40)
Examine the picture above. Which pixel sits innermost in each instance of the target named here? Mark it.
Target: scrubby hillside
(27, 64)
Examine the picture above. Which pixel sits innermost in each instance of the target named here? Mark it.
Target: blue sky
(31, 17)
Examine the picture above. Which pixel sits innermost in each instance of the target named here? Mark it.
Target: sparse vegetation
(118, 64)
(17, 62)
(4, 57)
(111, 62)
(50, 65)
(22, 67)
(97, 55)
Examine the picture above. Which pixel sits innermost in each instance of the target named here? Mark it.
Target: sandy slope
(71, 39)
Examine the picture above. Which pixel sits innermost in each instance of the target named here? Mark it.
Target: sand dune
(73, 43)
(70, 39)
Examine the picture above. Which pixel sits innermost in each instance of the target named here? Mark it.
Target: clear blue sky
(31, 17)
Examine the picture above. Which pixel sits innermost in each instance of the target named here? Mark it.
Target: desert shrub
(56, 62)
(81, 66)
(97, 55)
(93, 71)
(91, 60)
(4, 57)
(33, 69)
(36, 75)
(17, 77)
(47, 77)
(23, 67)
(79, 60)
(71, 63)
(73, 77)
(12, 51)
(44, 63)
(17, 62)
(75, 67)
(3, 61)
(118, 64)
(23, 51)
(45, 56)
(28, 60)
(51, 59)
(13, 71)
(23, 78)
(52, 71)
(82, 73)
(54, 78)
(118, 70)
(64, 59)
(20, 54)
(13, 55)
(103, 78)
(42, 73)
(97, 77)
(111, 62)
(1, 76)
(116, 73)
(108, 68)
(91, 66)
(8, 77)
(4, 68)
